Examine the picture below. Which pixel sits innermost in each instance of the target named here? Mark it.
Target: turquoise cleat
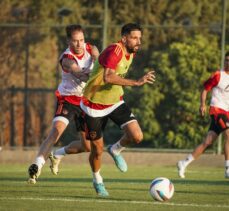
(118, 159)
(100, 189)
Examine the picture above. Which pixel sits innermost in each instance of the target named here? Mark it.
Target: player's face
(226, 63)
(132, 41)
(76, 42)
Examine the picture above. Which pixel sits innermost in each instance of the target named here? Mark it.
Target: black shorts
(95, 125)
(219, 123)
(71, 113)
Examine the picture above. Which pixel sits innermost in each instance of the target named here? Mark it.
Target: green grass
(204, 189)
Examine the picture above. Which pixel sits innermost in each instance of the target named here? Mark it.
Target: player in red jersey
(218, 84)
(77, 62)
(103, 100)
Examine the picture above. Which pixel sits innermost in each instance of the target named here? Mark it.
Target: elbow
(106, 79)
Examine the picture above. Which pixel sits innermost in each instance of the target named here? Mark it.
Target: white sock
(40, 161)
(226, 163)
(97, 178)
(60, 153)
(117, 148)
(188, 159)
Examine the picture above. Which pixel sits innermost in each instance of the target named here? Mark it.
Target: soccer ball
(161, 189)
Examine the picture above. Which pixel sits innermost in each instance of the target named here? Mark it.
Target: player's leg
(199, 150)
(74, 147)
(123, 117)
(94, 133)
(213, 132)
(226, 152)
(34, 170)
(64, 113)
(223, 123)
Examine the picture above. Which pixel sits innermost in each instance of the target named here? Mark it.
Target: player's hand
(88, 69)
(147, 78)
(202, 110)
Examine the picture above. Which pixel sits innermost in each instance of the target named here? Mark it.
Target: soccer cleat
(181, 169)
(100, 189)
(54, 164)
(34, 173)
(118, 159)
(227, 173)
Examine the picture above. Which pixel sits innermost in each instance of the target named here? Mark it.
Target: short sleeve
(212, 81)
(111, 56)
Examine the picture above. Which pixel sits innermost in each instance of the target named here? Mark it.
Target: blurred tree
(171, 32)
(182, 69)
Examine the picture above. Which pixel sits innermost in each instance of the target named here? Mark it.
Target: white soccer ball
(161, 189)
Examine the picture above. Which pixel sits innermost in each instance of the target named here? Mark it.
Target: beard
(132, 49)
(78, 50)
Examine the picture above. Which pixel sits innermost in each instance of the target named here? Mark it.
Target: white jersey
(70, 84)
(220, 92)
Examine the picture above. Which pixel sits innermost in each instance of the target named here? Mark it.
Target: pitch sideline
(116, 201)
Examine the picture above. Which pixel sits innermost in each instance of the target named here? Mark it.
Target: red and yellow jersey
(96, 91)
(99, 98)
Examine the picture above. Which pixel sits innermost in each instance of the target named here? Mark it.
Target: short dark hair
(71, 28)
(227, 54)
(129, 27)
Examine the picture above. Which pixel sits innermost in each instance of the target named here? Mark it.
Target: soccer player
(77, 62)
(103, 100)
(218, 84)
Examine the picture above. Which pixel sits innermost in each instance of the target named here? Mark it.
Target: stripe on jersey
(117, 50)
(99, 113)
(73, 99)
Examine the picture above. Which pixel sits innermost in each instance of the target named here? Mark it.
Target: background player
(76, 62)
(218, 83)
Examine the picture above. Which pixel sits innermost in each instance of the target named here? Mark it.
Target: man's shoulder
(114, 48)
(216, 74)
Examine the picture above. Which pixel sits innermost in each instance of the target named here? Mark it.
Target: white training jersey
(220, 92)
(70, 84)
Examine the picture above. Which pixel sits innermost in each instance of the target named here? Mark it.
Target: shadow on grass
(118, 180)
(201, 182)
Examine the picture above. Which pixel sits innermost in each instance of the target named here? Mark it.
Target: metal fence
(27, 108)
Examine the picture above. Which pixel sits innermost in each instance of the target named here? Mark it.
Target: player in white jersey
(218, 83)
(76, 62)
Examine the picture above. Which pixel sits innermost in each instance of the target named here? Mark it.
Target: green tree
(182, 69)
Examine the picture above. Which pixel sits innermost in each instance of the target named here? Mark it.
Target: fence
(27, 101)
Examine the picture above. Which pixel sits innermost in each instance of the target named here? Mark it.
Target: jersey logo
(227, 88)
(92, 135)
(65, 111)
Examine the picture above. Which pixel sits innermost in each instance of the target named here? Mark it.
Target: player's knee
(55, 133)
(207, 143)
(138, 137)
(87, 148)
(96, 151)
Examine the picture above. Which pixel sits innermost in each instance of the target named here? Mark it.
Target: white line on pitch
(115, 201)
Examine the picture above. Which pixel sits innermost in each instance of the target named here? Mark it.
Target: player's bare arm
(94, 56)
(203, 97)
(111, 77)
(72, 67)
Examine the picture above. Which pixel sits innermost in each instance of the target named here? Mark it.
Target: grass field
(204, 189)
